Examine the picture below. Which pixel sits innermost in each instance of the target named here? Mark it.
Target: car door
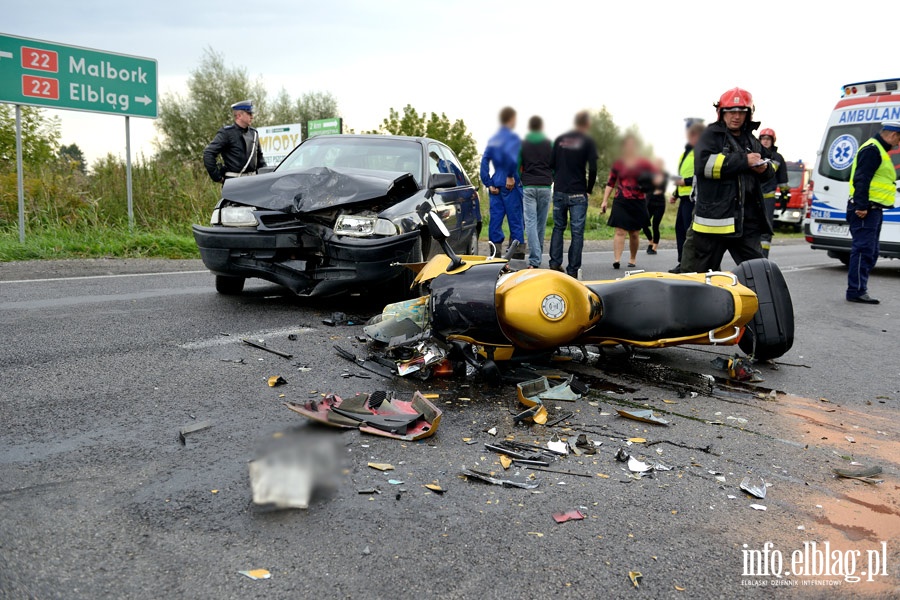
(445, 200)
(465, 200)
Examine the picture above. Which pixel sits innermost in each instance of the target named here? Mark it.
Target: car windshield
(373, 154)
(795, 176)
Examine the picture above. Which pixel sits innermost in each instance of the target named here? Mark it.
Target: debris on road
(256, 574)
(378, 413)
(381, 466)
(560, 471)
(644, 416)
(571, 515)
(867, 475)
(192, 428)
(262, 346)
(291, 469)
(756, 488)
(757, 507)
(276, 380)
(637, 466)
(435, 488)
(385, 369)
(512, 481)
(537, 390)
(557, 447)
(635, 577)
(738, 368)
(339, 318)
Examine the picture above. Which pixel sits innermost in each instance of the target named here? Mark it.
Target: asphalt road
(103, 362)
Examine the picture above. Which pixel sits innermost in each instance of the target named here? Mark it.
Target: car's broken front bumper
(309, 259)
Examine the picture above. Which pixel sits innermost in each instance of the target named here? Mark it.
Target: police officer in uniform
(779, 182)
(237, 144)
(684, 183)
(873, 188)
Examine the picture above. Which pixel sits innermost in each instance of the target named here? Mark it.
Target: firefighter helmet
(735, 99)
(768, 132)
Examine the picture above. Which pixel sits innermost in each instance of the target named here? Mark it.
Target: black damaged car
(337, 214)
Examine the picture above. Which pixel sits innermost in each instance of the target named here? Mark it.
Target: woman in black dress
(629, 212)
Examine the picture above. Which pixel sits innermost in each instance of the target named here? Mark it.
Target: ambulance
(856, 118)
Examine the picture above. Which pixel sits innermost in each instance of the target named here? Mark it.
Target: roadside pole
(20, 182)
(128, 172)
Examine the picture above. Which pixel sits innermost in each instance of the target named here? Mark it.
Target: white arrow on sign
(145, 100)
(5, 54)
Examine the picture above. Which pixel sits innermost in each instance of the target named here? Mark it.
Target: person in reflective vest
(778, 184)
(729, 169)
(684, 182)
(873, 188)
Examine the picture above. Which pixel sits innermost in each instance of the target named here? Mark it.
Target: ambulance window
(840, 148)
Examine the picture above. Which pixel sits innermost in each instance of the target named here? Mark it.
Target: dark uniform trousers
(864, 251)
(706, 250)
(683, 219)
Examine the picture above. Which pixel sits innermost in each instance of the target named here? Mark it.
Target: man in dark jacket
(728, 172)
(574, 155)
(684, 185)
(779, 184)
(237, 144)
(537, 177)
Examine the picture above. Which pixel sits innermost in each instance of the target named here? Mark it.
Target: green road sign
(58, 76)
(323, 127)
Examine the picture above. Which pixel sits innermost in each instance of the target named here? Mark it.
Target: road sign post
(51, 75)
(20, 182)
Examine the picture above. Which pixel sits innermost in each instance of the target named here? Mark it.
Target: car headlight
(234, 216)
(358, 226)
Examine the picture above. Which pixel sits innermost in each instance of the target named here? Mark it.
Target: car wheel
(472, 244)
(230, 286)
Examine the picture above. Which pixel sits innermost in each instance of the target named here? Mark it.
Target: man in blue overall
(500, 174)
(873, 188)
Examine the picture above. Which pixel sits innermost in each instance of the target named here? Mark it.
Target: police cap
(891, 125)
(244, 105)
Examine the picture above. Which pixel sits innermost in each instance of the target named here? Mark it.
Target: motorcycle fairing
(464, 305)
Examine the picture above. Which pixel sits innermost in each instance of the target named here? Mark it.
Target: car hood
(318, 189)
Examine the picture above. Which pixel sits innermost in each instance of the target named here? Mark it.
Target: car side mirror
(440, 181)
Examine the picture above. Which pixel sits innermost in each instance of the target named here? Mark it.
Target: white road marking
(235, 338)
(103, 276)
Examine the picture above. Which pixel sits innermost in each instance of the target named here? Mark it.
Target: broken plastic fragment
(256, 574)
(519, 482)
(635, 577)
(637, 466)
(276, 380)
(866, 475)
(637, 440)
(557, 446)
(756, 488)
(757, 507)
(382, 466)
(645, 416)
(505, 461)
(395, 482)
(622, 455)
(572, 515)
(435, 488)
(492, 431)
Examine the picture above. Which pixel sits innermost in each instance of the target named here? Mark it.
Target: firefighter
(778, 184)
(237, 144)
(873, 188)
(684, 182)
(728, 172)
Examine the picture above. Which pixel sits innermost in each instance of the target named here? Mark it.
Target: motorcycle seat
(644, 309)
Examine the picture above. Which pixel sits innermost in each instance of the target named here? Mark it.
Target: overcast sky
(650, 63)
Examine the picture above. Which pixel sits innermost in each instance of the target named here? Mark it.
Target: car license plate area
(834, 229)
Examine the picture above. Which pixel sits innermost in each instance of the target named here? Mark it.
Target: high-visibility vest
(883, 187)
(685, 170)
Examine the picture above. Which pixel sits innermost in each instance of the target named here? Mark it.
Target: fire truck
(856, 118)
(791, 210)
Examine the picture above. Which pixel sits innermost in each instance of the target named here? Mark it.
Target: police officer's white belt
(232, 175)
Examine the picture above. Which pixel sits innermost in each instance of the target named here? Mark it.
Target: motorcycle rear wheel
(771, 332)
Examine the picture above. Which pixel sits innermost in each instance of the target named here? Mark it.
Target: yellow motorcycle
(479, 305)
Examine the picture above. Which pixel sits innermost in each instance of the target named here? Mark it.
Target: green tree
(310, 106)
(40, 136)
(186, 124)
(608, 138)
(72, 156)
(453, 133)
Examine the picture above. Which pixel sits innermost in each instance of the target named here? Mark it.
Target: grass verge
(55, 242)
